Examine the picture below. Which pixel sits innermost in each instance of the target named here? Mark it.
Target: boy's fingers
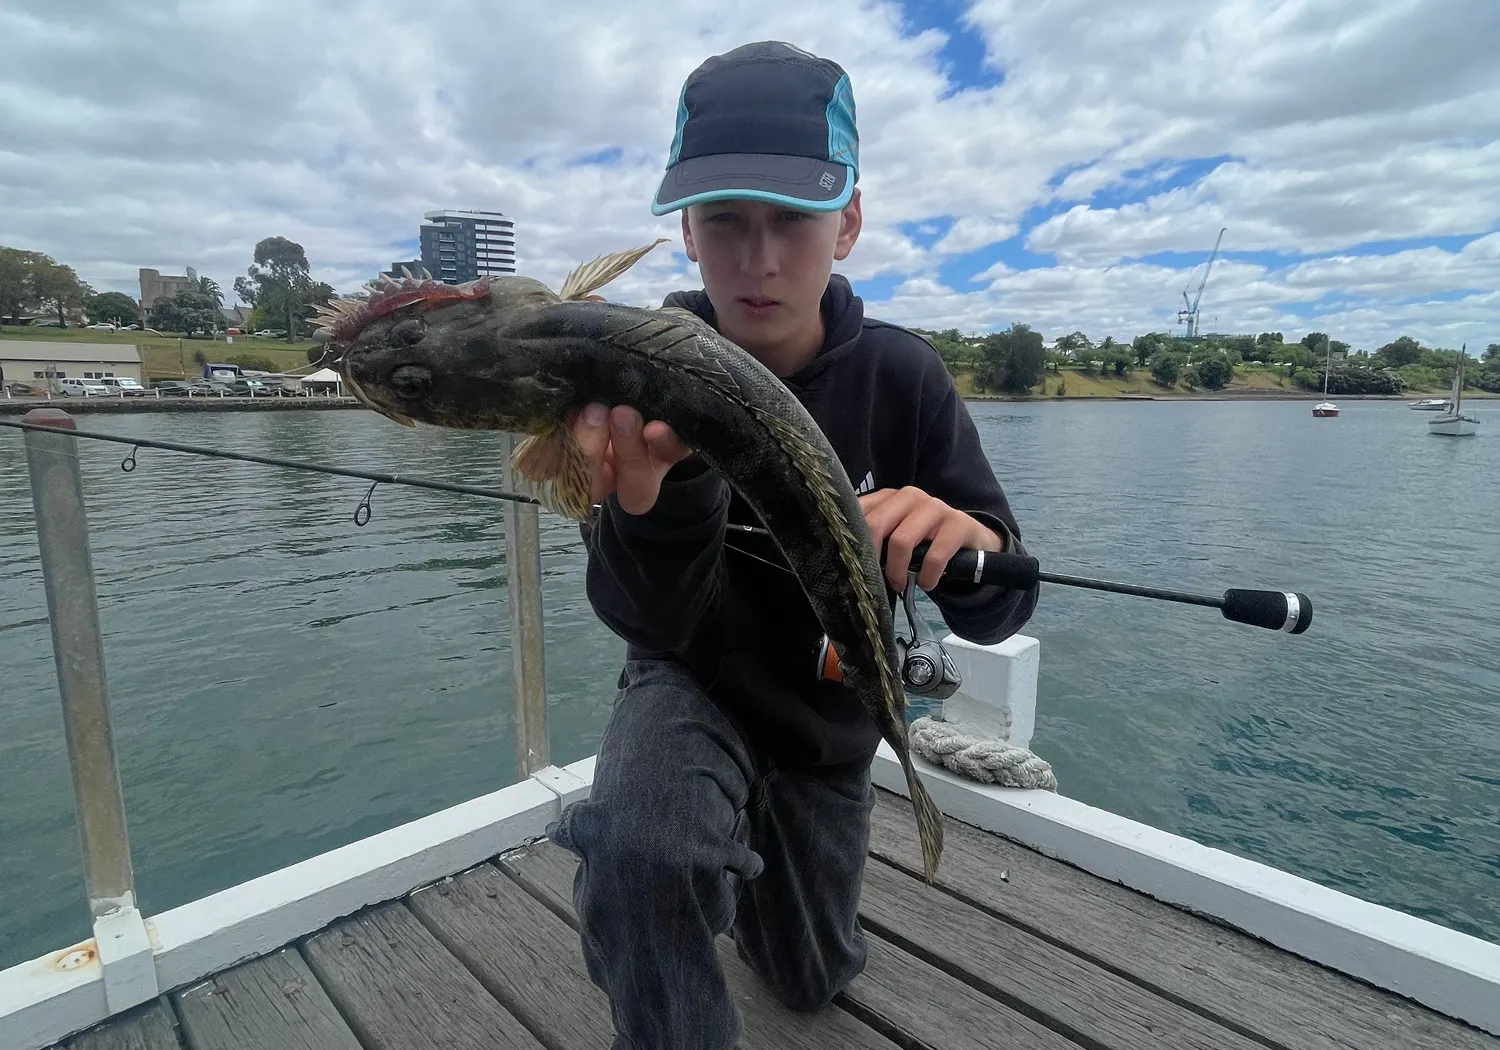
(665, 445)
(636, 478)
(592, 435)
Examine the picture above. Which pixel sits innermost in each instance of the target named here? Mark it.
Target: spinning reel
(926, 668)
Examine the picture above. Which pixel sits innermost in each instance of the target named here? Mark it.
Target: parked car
(124, 385)
(172, 387)
(83, 388)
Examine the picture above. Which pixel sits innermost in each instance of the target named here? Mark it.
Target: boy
(732, 790)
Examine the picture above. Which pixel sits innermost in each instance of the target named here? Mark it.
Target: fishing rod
(1289, 611)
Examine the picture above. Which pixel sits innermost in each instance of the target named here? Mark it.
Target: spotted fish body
(509, 354)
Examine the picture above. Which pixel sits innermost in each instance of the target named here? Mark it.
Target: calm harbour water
(283, 682)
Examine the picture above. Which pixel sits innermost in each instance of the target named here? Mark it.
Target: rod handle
(968, 565)
(1289, 611)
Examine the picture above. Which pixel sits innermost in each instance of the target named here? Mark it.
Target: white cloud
(141, 135)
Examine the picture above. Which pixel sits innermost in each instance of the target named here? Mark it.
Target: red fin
(351, 316)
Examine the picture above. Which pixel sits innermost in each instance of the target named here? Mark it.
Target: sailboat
(1325, 407)
(1453, 421)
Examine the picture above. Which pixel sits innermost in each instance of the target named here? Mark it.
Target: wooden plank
(1049, 984)
(524, 954)
(1225, 974)
(400, 989)
(149, 1026)
(269, 1003)
(546, 870)
(899, 991)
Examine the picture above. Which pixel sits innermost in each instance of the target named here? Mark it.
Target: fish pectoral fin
(552, 469)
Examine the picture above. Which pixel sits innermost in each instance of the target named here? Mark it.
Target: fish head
(419, 350)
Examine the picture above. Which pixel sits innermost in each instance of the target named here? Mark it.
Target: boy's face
(765, 266)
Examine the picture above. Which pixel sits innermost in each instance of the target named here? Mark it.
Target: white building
(459, 246)
(42, 362)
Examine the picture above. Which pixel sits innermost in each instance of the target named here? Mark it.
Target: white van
(82, 387)
(123, 385)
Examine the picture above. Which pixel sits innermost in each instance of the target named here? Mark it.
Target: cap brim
(797, 182)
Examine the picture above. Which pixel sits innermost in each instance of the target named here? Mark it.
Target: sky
(1064, 164)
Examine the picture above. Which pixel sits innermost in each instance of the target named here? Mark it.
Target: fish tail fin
(929, 822)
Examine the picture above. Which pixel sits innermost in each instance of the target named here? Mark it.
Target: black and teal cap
(767, 121)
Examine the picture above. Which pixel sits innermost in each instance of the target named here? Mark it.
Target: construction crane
(1190, 315)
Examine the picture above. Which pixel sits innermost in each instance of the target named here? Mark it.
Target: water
(284, 682)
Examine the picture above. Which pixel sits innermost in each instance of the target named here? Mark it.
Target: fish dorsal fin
(680, 340)
(599, 272)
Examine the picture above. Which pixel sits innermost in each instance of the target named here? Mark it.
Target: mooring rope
(988, 760)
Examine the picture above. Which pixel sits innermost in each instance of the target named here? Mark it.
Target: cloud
(1073, 176)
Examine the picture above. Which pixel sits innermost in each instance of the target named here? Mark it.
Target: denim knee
(646, 867)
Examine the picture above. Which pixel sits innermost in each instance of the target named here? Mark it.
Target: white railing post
(523, 570)
(997, 698)
(78, 650)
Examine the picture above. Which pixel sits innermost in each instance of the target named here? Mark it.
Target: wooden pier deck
(1010, 949)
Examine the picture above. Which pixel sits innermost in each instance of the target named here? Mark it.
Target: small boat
(1453, 422)
(1326, 408)
(1429, 404)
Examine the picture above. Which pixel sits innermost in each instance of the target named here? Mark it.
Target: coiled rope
(988, 760)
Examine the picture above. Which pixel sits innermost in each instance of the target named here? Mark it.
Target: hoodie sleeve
(951, 465)
(651, 577)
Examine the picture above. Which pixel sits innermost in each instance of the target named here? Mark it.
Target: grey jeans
(687, 833)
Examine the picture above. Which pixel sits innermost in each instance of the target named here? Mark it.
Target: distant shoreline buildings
(459, 245)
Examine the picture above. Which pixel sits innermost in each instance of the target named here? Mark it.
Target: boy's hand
(907, 516)
(626, 455)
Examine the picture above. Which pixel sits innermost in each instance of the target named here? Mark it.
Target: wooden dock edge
(1448, 971)
(47, 999)
(53, 996)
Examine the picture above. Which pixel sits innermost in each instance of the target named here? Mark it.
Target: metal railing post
(78, 650)
(523, 568)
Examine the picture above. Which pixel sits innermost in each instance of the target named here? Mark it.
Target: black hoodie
(677, 583)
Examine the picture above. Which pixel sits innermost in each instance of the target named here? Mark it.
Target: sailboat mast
(1458, 382)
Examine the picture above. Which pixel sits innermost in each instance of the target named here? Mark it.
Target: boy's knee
(645, 862)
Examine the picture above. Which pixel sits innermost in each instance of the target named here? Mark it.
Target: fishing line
(361, 513)
(1287, 611)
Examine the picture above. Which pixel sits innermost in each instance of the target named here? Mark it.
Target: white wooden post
(997, 699)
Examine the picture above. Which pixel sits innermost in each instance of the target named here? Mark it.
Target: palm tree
(210, 287)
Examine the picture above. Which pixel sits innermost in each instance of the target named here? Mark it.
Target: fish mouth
(342, 367)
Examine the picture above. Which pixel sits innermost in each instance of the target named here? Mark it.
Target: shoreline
(85, 406)
(1248, 394)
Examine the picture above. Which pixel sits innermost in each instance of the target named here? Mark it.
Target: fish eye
(411, 381)
(409, 331)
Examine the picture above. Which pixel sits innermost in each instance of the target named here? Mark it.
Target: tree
(1147, 346)
(114, 307)
(1116, 356)
(186, 312)
(59, 288)
(210, 287)
(1398, 352)
(1164, 368)
(17, 295)
(1013, 360)
(278, 282)
(34, 281)
(1215, 372)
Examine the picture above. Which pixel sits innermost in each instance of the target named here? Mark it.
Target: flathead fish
(508, 353)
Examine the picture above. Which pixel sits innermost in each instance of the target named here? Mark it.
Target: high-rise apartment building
(460, 246)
